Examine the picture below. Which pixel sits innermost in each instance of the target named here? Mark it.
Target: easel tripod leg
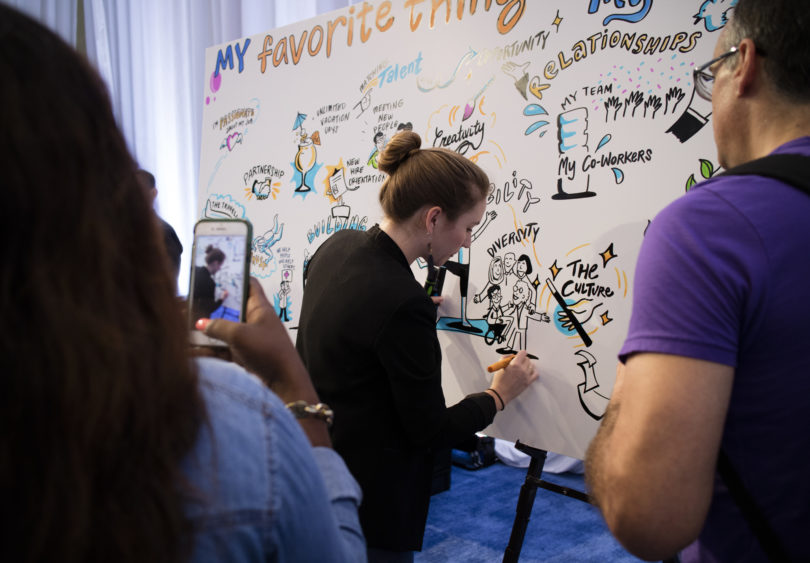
(525, 502)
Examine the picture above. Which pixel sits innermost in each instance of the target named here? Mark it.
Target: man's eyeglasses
(704, 79)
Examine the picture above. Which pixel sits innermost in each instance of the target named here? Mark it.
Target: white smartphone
(220, 269)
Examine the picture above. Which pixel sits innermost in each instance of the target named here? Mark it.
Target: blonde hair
(434, 176)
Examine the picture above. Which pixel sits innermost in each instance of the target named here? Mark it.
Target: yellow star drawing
(608, 255)
(557, 21)
(554, 270)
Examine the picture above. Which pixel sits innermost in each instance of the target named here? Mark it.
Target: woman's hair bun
(401, 146)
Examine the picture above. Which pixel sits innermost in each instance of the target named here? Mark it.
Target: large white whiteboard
(582, 113)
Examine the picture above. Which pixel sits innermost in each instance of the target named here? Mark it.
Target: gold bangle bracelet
(321, 411)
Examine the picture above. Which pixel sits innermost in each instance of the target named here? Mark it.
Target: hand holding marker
(500, 364)
(513, 374)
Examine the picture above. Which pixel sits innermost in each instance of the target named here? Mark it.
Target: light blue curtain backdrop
(151, 55)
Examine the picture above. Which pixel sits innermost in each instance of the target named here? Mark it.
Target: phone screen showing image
(218, 278)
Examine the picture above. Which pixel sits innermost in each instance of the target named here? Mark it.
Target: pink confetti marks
(214, 84)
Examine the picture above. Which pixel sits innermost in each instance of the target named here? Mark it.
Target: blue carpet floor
(473, 520)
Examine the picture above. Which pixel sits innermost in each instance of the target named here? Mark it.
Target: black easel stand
(526, 499)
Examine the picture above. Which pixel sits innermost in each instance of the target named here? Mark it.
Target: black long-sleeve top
(368, 338)
(203, 302)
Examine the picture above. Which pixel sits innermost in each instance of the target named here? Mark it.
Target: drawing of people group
(509, 323)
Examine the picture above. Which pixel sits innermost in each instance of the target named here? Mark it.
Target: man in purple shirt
(716, 357)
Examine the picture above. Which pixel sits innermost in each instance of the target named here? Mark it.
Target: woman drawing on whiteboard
(205, 288)
(383, 378)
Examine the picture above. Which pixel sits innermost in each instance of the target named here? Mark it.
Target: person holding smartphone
(367, 334)
(214, 241)
(116, 444)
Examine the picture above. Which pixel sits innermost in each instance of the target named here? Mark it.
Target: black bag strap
(753, 515)
(793, 169)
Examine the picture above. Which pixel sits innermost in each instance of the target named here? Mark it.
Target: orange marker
(500, 364)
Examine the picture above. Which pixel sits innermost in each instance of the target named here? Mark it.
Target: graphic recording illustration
(282, 298)
(693, 119)
(263, 260)
(582, 293)
(521, 310)
(234, 126)
(572, 143)
(592, 397)
(225, 62)
(519, 76)
(583, 116)
(707, 170)
(305, 161)
(379, 144)
(533, 111)
(623, 12)
(714, 14)
(262, 182)
(507, 300)
(340, 213)
(639, 105)
(578, 308)
(566, 317)
(514, 192)
(498, 323)
(263, 189)
(335, 188)
(231, 131)
(461, 268)
(219, 206)
(427, 83)
(451, 126)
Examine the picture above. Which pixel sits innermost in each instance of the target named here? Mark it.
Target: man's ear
(748, 67)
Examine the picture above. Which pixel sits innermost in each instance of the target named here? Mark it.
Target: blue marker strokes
(534, 109)
(535, 126)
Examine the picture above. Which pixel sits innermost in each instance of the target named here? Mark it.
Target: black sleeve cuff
(485, 404)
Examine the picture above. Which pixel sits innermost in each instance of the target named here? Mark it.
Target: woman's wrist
(317, 432)
(497, 398)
